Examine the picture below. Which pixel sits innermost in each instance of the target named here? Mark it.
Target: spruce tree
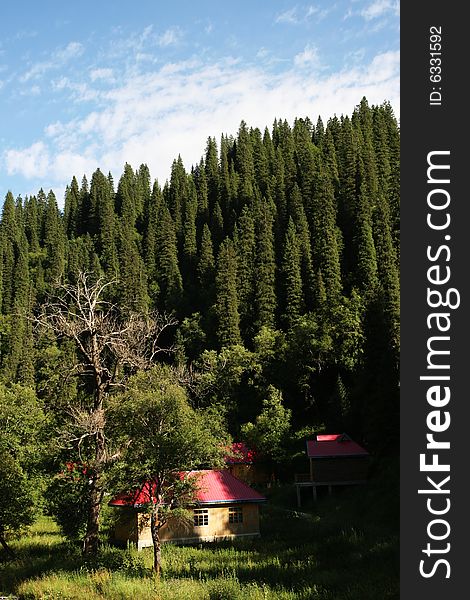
(246, 252)
(226, 307)
(212, 172)
(265, 267)
(104, 223)
(206, 269)
(291, 277)
(245, 164)
(71, 209)
(54, 242)
(167, 266)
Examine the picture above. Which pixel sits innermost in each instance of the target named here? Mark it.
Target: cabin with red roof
(225, 508)
(246, 464)
(335, 459)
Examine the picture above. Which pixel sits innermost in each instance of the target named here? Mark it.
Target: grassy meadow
(343, 547)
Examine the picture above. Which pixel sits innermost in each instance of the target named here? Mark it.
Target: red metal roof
(328, 437)
(214, 487)
(240, 454)
(334, 445)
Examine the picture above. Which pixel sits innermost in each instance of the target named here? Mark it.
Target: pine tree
(212, 172)
(322, 217)
(54, 242)
(246, 251)
(226, 307)
(71, 209)
(318, 133)
(19, 346)
(8, 243)
(217, 225)
(202, 189)
(177, 194)
(167, 266)
(260, 163)
(104, 223)
(132, 288)
(265, 267)
(143, 194)
(305, 247)
(206, 268)
(85, 213)
(32, 224)
(152, 210)
(245, 164)
(291, 277)
(128, 203)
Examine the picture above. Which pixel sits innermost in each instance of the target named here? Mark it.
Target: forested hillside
(277, 255)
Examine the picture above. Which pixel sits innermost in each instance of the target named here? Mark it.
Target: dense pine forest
(272, 268)
(279, 249)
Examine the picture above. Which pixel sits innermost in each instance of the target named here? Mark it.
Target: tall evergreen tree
(291, 276)
(168, 271)
(246, 252)
(226, 307)
(54, 241)
(104, 223)
(71, 209)
(265, 267)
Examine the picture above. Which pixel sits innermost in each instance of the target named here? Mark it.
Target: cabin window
(235, 514)
(201, 517)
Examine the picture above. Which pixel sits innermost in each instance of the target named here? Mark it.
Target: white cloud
(30, 162)
(296, 15)
(170, 37)
(58, 59)
(311, 10)
(308, 57)
(72, 50)
(154, 116)
(34, 90)
(379, 8)
(103, 74)
(288, 16)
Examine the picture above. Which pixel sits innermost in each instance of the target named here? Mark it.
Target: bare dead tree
(109, 349)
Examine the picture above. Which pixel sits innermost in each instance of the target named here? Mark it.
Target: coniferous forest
(279, 249)
(270, 271)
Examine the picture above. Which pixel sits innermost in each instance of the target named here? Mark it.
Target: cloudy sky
(98, 83)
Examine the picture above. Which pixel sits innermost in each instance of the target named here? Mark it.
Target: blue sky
(97, 84)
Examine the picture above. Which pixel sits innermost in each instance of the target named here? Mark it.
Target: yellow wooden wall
(134, 527)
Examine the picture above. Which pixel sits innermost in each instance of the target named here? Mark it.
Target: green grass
(344, 547)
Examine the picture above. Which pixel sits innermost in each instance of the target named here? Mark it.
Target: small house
(225, 508)
(246, 464)
(335, 459)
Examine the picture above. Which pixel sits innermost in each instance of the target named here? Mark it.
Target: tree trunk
(157, 547)
(91, 542)
(4, 544)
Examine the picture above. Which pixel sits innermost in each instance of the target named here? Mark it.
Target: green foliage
(269, 432)
(228, 331)
(16, 499)
(277, 253)
(66, 496)
(161, 434)
(21, 422)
